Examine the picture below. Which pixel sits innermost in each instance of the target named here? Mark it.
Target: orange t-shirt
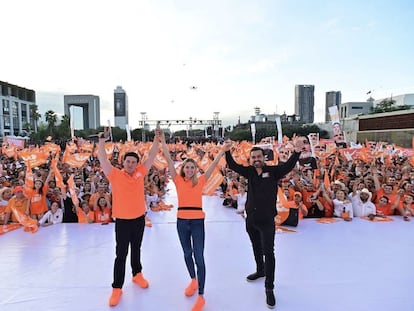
(385, 210)
(38, 203)
(97, 194)
(82, 217)
(128, 199)
(189, 196)
(391, 197)
(103, 216)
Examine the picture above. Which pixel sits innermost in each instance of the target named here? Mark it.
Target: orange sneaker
(115, 297)
(191, 289)
(200, 302)
(140, 281)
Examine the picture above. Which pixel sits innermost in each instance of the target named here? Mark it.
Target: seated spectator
(101, 191)
(102, 209)
(69, 209)
(316, 209)
(342, 205)
(5, 195)
(384, 206)
(20, 202)
(53, 216)
(240, 197)
(85, 214)
(297, 203)
(405, 204)
(361, 203)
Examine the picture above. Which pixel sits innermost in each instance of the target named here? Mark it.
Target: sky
(239, 54)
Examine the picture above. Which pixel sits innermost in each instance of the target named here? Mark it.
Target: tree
(385, 105)
(63, 129)
(34, 116)
(51, 119)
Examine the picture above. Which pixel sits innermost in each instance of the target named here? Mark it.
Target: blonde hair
(194, 178)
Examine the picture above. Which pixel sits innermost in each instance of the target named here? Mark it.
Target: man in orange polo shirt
(128, 209)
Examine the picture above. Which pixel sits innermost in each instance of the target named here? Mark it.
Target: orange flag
(281, 197)
(212, 184)
(29, 223)
(160, 163)
(74, 197)
(326, 180)
(58, 175)
(76, 159)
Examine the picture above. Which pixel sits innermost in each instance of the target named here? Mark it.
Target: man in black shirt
(261, 208)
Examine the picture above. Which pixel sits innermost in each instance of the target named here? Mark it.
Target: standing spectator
(261, 208)
(190, 218)
(128, 209)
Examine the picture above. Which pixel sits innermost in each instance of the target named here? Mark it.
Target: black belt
(189, 208)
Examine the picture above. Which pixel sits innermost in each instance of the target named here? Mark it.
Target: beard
(258, 164)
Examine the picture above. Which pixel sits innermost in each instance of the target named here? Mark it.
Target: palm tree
(34, 115)
(51, 119)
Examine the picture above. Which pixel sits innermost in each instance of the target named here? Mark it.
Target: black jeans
(127, 232)
(262, 236)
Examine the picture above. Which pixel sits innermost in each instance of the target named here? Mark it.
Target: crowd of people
(374, 181)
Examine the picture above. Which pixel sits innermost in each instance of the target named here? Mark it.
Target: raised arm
(242, 170)
(167, 156)
(154, 150)
(210, 169)
(103, 159)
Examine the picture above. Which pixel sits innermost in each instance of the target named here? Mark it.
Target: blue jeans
(192, 236)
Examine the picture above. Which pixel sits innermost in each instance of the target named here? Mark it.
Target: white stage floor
(354, 266)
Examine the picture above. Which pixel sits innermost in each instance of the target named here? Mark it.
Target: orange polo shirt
(128, 199)
(190, 196)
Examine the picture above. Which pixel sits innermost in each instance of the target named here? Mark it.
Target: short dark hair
(257, 149)
(131, 154)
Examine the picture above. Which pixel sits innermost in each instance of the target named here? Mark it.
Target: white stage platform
(356, 266)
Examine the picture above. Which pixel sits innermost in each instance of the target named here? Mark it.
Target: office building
(332, 98)
(304, 102)
(15, 104)
(120, 107)
(90, 107)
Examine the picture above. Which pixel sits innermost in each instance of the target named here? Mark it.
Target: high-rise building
(15, 104)
(90, 105)
(120, 107)
(333, 98)
(304, 102)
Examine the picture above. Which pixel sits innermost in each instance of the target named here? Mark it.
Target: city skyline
(182, 59)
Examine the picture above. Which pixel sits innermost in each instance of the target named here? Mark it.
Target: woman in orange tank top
(190, 218)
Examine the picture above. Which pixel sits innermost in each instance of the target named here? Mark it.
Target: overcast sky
(239, 54)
